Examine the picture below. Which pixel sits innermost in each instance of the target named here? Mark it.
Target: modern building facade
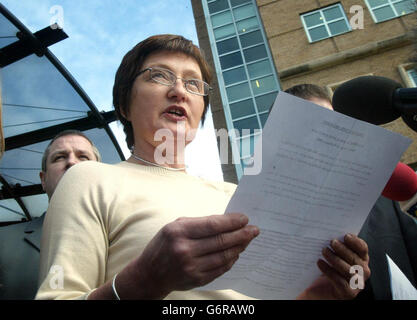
(260, 47)
(233, 38)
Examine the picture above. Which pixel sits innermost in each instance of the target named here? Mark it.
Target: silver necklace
(157, 165)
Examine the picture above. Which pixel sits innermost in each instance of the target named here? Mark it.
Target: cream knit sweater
(102, 216)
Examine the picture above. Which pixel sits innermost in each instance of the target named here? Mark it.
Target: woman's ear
(125, 113)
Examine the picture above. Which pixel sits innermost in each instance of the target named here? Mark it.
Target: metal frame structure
(37, 43)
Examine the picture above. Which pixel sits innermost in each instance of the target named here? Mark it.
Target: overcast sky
(100, 33)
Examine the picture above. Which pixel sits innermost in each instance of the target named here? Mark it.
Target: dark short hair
(69, 132)
(132, 64)
(308, 90)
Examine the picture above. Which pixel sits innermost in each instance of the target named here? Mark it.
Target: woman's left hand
(338, 280)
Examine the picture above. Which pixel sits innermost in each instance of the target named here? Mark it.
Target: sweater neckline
(152, 169)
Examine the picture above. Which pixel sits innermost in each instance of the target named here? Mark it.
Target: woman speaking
(144, 228)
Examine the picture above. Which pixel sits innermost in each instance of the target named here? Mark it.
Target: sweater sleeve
(74, 245)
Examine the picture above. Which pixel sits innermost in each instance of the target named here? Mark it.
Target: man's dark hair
(307, 91)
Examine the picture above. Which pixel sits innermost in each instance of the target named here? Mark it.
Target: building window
(247, 78)
(219, 5)
(383, 10)
(325, 22)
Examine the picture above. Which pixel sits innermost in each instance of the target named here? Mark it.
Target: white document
(401, 287)
(321, 174)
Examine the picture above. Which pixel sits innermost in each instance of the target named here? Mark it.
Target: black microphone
(376, 100)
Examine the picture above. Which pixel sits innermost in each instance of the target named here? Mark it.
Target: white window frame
(411, 77)
(325, 23)
(391, 4)
(405, 69)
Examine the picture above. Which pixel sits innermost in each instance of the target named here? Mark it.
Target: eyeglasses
(168, 78)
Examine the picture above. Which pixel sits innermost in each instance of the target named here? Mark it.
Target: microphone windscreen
(367, 98)
(402, 185)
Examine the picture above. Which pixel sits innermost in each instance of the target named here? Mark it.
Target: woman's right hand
(184, 254)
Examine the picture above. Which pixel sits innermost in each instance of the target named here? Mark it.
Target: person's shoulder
(229, 187)
(89, 173)
(14, 227)
(90, 165)
(13, 232)
(91, 168)
(226, 187)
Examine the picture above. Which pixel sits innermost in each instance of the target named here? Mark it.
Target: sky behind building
(100, 33)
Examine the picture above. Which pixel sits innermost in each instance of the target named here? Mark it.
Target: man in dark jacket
(20, 243)
(387, 229)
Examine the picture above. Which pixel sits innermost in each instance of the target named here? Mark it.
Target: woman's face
(153, 105)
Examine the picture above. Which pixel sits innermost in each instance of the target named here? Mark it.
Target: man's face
(64, 153)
